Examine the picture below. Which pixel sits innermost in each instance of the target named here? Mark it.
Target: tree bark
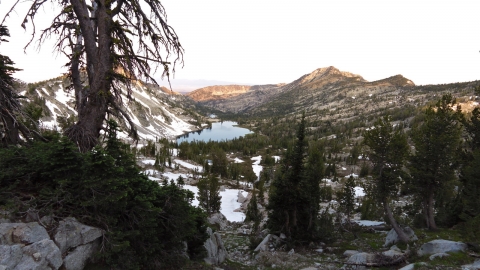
(431, 212)
(425, 213)
(401, 234)
(98, 42)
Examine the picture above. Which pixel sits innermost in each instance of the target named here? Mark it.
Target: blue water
(220, 131)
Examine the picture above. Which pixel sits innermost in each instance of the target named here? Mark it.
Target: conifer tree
(294, 198)
(209, 194)
(470, 193)
(253, 214)
(388, 152)
(314, 173)
(219, 162)
(433, 165)
(347, 198)
(10, 109)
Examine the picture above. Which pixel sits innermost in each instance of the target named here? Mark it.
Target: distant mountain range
(326, 92)
(184, 86)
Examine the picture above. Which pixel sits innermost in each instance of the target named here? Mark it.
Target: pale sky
(274, 41)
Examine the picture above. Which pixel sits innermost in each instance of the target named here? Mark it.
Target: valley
(338, 108)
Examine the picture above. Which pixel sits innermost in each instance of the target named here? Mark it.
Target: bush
(470, 231)
(146, 225)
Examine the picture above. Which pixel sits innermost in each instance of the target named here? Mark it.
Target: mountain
(331, 93)
(329, 88)
(217, 92)
(156, 111)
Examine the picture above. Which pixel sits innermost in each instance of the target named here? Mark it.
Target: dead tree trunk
(401, 234)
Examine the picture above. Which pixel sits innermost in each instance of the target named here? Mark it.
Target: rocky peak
(327, 73)
(217, 92)
(397, 80)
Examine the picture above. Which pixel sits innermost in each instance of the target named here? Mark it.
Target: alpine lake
(220, 131)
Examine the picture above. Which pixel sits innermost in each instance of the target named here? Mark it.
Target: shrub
(146, 225)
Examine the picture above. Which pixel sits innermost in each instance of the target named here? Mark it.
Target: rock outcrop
(441, 246)
(392, 236)
(216, 252)
(29, 246)
(218, 219)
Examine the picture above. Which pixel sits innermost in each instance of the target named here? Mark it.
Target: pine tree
(219, 162)
(347, 198)
(209, 194)
(469, 195)
(253, 214)
(314, 173)
(10, 108)
(388, 151)
(294, 194)
(433, 165)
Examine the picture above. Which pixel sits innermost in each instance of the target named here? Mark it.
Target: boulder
(43, 254)
(349, 253)
(473, 266)
(394, 247)
(218, 219)
(240, 197)
(358, 260)
(78, 258)
(71, 233)
(392, 236)
(216, 252)
(22, 233)
(392, 253)
(441, 246)
(362, 258)
(264, 245)
(10, 255)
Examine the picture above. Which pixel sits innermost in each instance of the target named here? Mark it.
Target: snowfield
(256, 167)
(230, 204)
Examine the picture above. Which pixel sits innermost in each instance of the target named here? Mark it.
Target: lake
(220, 131)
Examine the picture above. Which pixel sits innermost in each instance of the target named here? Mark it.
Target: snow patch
(188, 165)
(368, 223)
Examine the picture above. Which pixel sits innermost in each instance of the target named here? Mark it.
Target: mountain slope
(156, 111)
(328, 94)
(217, 92)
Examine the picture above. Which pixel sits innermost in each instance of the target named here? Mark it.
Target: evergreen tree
(10, 108)
(146, 225)
(219, 162)
(469, 196)
(433, 165)
(347, 197)
(388, 152)
(294, 195)
(253, 214)
(314, 173)
(209, 194)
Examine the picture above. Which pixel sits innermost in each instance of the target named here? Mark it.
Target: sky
(277, 41)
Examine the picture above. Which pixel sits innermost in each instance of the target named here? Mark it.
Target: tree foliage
(435, 160)
(10, 109)
(146, 225)
(209, 194)
(388, 152)
(295, 193)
